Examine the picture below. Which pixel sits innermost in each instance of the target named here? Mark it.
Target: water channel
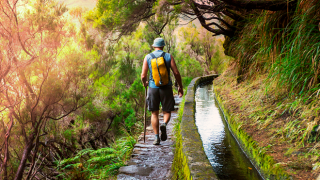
(226, 157)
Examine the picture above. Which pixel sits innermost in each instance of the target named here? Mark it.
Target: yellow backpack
(160, 71)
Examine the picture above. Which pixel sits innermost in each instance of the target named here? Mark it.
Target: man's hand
(180, 91)
(145, 84)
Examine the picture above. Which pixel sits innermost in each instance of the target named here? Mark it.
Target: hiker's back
(167, 59)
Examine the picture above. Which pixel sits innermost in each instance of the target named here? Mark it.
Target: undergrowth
(273, 85)
(283, 44)
(286, 127)
(98, 164)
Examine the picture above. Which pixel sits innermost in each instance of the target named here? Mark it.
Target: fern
(99, 163)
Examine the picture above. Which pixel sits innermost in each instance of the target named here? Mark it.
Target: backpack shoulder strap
(152, 55)
(165, 63)
(162, 55)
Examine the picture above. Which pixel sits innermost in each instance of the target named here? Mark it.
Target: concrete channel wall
(195, 163)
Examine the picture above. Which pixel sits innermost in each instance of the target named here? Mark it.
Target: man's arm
(144, 73)
(177, 76)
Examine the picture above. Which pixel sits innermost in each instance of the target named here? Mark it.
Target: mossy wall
(190, 160)
(268, 168)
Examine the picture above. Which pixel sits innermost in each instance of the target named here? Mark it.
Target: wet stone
(131, 163)
(126, 177)
(143, 146)
(133, 169)
(143, 153)
(144, 149)
(159, 173)
(155, 165)
(150, 161)
(136, 151)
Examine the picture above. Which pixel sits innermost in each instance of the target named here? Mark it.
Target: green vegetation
(71, 99)
(271, 88)
(98, 164)
(179, 168)
(190, 160)
(266, 164)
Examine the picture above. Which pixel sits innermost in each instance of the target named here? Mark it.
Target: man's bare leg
(166, 116)
(155, 126)
(155, 121)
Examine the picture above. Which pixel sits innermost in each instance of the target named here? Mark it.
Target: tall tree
(40, 82)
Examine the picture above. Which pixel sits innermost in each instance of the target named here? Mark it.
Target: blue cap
(158, 42)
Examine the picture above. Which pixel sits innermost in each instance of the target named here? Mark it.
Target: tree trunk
(24, 158)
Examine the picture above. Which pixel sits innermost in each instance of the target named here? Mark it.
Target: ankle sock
(166, 124)
(157, 136)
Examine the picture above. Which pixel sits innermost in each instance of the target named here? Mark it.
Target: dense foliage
(275, 41)
(71, 98)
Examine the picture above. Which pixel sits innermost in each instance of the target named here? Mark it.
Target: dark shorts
(163, 95)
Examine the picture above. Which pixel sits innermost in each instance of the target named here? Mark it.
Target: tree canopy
(216, 16)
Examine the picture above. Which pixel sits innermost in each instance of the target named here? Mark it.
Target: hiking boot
(156, 141)
(163, 129)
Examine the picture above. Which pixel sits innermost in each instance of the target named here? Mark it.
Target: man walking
(161, 93)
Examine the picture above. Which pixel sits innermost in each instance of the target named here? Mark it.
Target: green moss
(190, 160)
(180, 167)
(264, 162)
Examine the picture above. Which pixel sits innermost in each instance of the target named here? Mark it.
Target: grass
(282, 124)
(285, 46)
(273, 85)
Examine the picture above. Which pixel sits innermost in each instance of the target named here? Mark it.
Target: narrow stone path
(149, 161)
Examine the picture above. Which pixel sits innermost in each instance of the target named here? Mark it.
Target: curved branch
(274, 5)
(217, 18)
(206, 26)
(216, 24)
(174, 3)
(189, 13)
(215, 8)
(232, 15)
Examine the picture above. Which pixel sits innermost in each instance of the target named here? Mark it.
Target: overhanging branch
(274, 5)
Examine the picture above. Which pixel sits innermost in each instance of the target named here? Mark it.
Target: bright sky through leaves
(90, 4)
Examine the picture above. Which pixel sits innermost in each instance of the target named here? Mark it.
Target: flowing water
(226, 157)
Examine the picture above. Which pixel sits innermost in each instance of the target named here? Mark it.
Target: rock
(136, 151)
(144, 149)
(143, 146)
(125, 177)
(131, 163)
(134, 155)
(133, 169)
